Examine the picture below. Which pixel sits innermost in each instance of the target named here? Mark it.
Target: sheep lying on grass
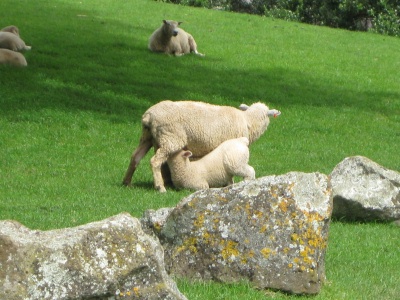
(12, 58)
(12, 29)
(12, 41)
(201, 127)
(172, 40)
(216, 169)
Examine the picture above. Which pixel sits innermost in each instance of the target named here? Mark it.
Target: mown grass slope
(70, 120)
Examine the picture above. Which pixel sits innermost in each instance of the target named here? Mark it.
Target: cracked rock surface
(110, 259)
(365, 191)
(272, 231)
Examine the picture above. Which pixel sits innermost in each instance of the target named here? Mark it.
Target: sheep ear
(179, 23)
(273, 113)
(187, 154)
(243, 107)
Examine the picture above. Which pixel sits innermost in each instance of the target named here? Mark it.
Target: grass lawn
(71, 119)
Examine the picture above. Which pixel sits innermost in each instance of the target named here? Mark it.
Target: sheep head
(171, 27)
(181, 156)
(270, 112)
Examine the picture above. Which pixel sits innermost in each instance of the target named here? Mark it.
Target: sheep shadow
(129, 78)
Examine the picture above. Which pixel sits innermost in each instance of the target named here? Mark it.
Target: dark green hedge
(381, 16)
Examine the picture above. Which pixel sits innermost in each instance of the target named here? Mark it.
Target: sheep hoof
(161, 189)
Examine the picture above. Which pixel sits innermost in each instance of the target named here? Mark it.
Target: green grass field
(71, 119)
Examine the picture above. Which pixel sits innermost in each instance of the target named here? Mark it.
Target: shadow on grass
(146, 185)
(105, 67)
(360, 220)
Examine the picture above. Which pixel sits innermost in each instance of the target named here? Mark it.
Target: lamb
(12, 29)
(12, 58)
(201, 127)
(172, 40)
(216, 169)
(12, 42)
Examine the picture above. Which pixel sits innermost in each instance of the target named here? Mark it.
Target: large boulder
(272, 231)
(365, 191)
(111, 259)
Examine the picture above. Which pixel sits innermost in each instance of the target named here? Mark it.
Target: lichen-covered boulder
(153, 220)
(272, 231)
(110, 259)
(365, 191)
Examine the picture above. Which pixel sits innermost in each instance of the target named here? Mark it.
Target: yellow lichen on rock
(229, 251)
(189, 244)
(266, 252)
(199, 222)
(283, 205)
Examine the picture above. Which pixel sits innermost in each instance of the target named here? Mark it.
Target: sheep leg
(156, 162)
(249, 173)
(246, 172)
(193, 45)
(144, 147)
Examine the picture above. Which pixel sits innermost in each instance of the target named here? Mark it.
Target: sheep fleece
(216, 169)
(200, 126)
(12, 42)
(8, 57)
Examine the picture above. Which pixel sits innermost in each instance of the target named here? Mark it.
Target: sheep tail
(146, 120)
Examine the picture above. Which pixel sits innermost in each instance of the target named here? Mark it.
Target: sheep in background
(12, 29)
(172, 40)
(216, 169)
(201, 127)
(12, 42)
(12, 58)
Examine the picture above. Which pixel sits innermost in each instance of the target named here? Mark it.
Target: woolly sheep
(172, 40)
(12, 58)
(216, 169)
(12, 42)
(12, 29)
(201, 127)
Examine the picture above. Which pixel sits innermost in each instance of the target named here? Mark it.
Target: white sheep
(12, 42)
(216, 169)
(12, 29)
(201, 127)
(12, 58)
(171, 39)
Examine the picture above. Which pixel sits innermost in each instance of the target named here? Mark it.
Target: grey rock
(110, 259)
(365, 191)
(272, 231)
(153, 220)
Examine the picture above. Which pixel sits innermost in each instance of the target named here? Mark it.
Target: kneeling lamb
(172, 40)
(216, 169)
(12, 42)
(12, 58)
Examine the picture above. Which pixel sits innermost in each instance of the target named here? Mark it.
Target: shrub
(381, 16)
(387, 21)
(281, 13)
